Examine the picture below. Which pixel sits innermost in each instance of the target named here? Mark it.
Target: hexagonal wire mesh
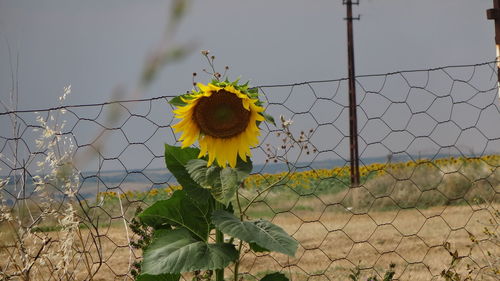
(429, 144)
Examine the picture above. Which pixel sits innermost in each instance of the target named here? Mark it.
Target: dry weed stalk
(28, 250)
(490, 245)
(49, 203)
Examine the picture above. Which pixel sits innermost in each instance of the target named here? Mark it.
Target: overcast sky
(97, 45)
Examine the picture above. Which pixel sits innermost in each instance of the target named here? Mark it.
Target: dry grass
(338, 241)
(332, 241)
(107, 254)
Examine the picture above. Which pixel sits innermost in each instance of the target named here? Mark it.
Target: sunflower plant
(197, 229)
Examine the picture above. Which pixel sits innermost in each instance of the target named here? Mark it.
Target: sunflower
(223, 118)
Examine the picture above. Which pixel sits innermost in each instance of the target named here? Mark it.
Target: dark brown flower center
(221, 115)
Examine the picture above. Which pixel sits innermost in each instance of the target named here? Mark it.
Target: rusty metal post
(494, 14)
(353, 119)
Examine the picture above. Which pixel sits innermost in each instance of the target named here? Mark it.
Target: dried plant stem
(259, 193)
(242, 212)
(84, 253)
(130, 262)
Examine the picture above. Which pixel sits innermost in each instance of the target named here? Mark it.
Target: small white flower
(284, 122)
(288, 123)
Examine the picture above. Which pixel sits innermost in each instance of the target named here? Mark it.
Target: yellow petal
(246, 104)
(220, 152)
(203, 147)
(202, 87)
(241, 151)
(232, 153)
(211, 150)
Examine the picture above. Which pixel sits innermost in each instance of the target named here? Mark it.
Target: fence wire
(429, 142)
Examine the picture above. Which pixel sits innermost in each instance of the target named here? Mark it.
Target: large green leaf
(222, 183)
(264, 233)
(231, 178)
(256, 248)
(161, 277)
(176, 159)
(277, 276)
(243, 169)
(181, 210)
(207, 177)
(177, 251)
(229, 186)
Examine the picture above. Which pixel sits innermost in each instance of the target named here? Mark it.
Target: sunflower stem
(237, 263)
(219, 238)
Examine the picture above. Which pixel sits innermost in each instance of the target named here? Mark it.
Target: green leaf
(268, 118)
(206, 177)
(277, 276)
(264, 233)
(231, 178)
(256, 248)
(161, 277)
(253, 90)
(177, 101)
(181, 210)
(243, 168)
(229, 208)
(154, 222)
(177, 251)
(222, 183)
(176, 158)
(241, 171)
(229, 185)
(254, 94)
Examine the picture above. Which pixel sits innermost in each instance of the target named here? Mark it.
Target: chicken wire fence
(429, 141)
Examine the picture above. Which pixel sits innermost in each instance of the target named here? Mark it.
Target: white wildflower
(285, 123)
(288, 123)
(66, 92)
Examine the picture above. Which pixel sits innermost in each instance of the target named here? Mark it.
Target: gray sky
(98, 45)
